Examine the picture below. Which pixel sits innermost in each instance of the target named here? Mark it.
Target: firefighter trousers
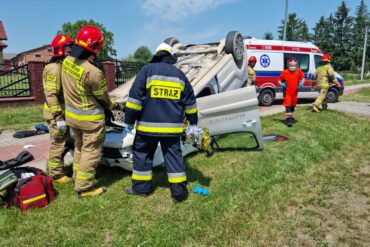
(144, 149)
(87, 155)
(55, 162)
(321, 100)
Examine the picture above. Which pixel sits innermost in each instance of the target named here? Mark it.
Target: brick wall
(35, 70)
(109, 69)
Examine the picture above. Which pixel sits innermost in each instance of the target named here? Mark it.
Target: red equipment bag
(35, 191)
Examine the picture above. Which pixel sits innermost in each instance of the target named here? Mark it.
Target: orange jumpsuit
(292, 79)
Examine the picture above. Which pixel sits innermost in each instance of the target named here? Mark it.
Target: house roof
(3, 45)
(2, 32)
(8, 56)
(30, 51)
(34, 49)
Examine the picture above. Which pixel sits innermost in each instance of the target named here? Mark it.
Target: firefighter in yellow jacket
(54, 108)
(251, 72)
(323, 76)
(86, 99)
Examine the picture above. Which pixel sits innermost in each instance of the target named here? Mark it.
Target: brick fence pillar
(35, 70)
(109, 69)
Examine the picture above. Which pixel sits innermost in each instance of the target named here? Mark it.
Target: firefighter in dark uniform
(159, 100)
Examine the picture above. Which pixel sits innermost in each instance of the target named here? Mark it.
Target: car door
(231, 112)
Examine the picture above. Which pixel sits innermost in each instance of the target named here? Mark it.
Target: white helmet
(164, 47)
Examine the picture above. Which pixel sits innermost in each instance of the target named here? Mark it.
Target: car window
(317, 60)
(303, 60)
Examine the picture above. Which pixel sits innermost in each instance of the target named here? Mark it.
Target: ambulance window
(303, 60)
(317, 61)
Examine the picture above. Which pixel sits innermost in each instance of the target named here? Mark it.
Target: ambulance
(272, 56)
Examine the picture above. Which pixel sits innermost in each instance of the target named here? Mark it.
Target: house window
(49, 50)
(37, 55)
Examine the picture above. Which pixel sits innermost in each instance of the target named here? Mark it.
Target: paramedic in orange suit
(290, 79)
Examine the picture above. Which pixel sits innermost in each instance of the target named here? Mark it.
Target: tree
(323, 35)
(107, 52)
(297, 29)
(268, 36)
(143, 53)
(361, 22)
(343, 50)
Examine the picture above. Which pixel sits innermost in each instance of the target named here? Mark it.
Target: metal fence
(126, 70)
(14, 81)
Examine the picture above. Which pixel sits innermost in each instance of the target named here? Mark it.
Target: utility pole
(364, 55)
(286, 19)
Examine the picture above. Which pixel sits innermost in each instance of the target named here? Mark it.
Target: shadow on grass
(106, 175)
(193, 175)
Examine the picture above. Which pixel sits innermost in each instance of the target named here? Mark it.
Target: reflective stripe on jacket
(54, 100)
(159, 100)
(325, 74)
(85, 93)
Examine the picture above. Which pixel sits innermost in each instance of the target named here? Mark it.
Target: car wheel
(171, 41)
(333, 95)
(266, 97)
(234, 45)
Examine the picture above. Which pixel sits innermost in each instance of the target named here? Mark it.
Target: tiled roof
(2, 32)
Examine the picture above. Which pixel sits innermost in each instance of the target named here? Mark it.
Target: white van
(272, 56)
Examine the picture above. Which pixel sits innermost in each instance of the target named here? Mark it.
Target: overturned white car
(217, 72)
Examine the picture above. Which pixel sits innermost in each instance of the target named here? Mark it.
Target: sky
(32, 23)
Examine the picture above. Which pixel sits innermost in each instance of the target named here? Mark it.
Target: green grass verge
(354, 79)
(20, 117)
(284, 196)
(363, 95)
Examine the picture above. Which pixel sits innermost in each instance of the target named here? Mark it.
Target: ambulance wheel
(266, 97)
(171, 41)
(234, 45)
(333, 95)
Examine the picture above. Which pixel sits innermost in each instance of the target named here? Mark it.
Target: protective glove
(301, 84)
(129, 127)
(283, 84)
(61, 124)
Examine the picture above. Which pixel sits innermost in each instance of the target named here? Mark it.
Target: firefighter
(323, 75)
(86, 99)
(158, 101)
(290, 79)
(251, 73)
(54, 108)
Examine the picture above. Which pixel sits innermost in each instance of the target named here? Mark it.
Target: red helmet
(291, 59)
(252, 59)
(58, 43)
(90, 38)
(326, 58)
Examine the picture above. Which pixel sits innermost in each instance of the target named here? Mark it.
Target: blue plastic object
(283, 84)
(301, 84)
(200, 190)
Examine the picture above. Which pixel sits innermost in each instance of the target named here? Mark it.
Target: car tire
(333, 95)
(234, 45)
(171, 41)
(266, 97)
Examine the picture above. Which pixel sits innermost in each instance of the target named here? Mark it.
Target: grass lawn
(312, 190)
(363, 95)
(354, 79)
(20, 117)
